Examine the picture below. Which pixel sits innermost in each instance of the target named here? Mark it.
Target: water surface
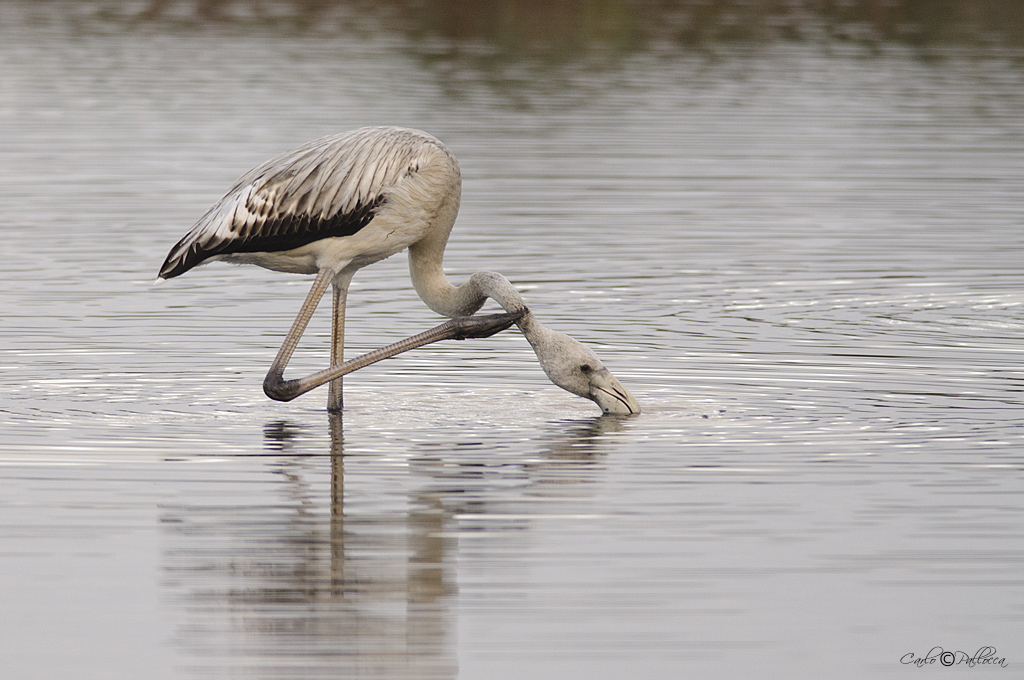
(803, 257)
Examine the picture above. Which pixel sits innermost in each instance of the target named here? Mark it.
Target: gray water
(803, 257)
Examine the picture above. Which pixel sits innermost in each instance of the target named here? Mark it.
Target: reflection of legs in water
(337, 531)
(385, 558)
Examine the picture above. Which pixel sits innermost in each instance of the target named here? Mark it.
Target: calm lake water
(805, 259)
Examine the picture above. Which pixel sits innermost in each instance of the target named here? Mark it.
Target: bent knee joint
(279, 389)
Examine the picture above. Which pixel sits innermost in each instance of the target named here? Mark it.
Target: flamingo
(342, 202)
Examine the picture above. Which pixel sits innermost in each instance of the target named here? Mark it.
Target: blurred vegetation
(511, 43)
(550, 27)
(631, 24)
(554, 28)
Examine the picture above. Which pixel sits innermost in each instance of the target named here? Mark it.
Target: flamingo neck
(552, 348)
(433, 287)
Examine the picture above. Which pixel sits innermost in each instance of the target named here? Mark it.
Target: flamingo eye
(586, 368)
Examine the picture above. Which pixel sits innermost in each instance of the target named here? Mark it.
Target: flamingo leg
(276, 387)
(275, 382)
(459, 328)
(335, 400)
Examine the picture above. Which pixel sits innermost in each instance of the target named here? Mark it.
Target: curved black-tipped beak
(611, 395)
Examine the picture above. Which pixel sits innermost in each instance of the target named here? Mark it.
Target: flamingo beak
(611, 395)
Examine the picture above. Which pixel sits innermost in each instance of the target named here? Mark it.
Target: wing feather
(330, 187)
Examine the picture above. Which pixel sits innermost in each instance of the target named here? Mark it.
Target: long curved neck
(433, 287)
(568, 363)
(425, 266)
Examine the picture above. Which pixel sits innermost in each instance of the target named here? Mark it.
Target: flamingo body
(353, 198)
(340, 203)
